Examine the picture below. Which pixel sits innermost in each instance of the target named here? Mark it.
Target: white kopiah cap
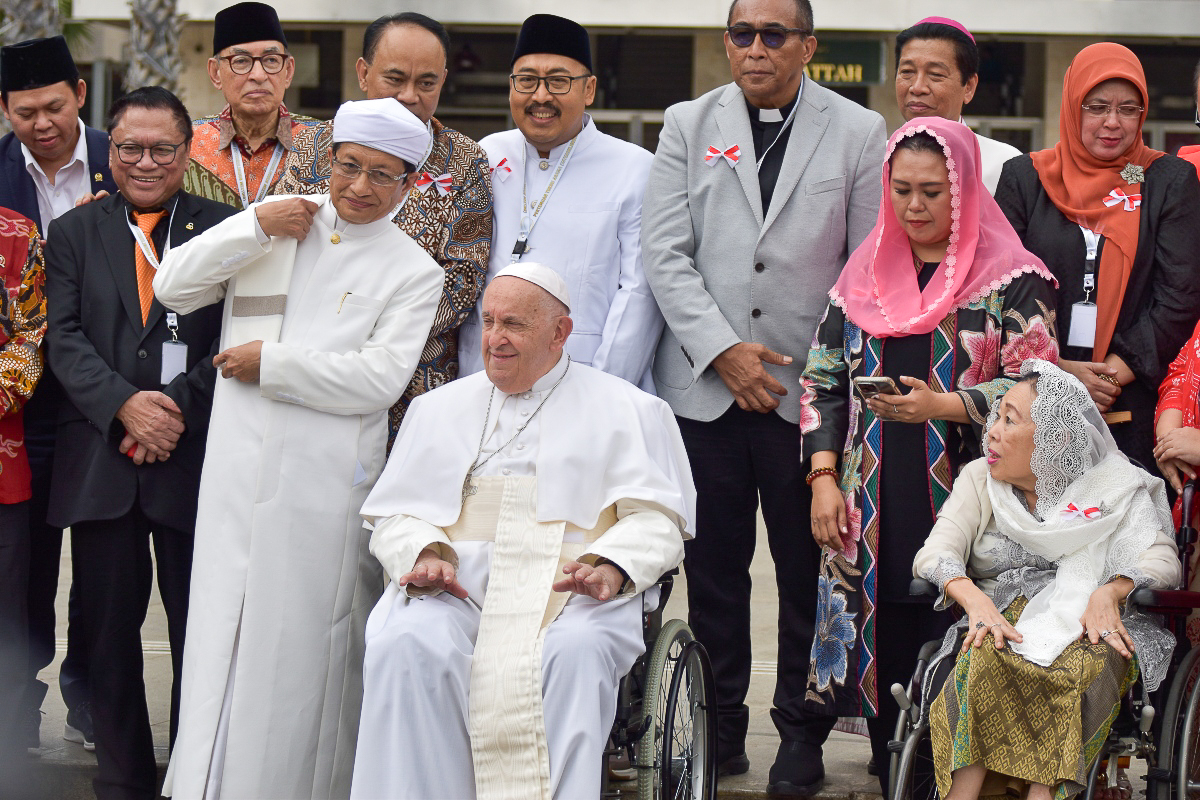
(385, 125)
(541, 275)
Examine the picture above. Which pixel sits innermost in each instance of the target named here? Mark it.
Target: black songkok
(246, 22)
(36, 63)
(546, 33)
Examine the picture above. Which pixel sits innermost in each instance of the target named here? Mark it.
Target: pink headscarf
(878, 286)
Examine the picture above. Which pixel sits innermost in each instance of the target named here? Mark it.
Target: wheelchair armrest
(921, 587)
(1150, 599)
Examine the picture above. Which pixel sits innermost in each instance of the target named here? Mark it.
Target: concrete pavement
(64, 770)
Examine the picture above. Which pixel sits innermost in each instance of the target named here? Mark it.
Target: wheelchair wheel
(1179, 752)
(672, 665)
(689, 756)
(913, 778)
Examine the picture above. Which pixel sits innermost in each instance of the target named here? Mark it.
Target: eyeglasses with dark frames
(161, 154)
(773, 36)
(242, 63)
(1102, 110)
(377, 177)
(555, 84)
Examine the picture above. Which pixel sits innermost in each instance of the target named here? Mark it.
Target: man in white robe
(570, 197)
(522, 514)
(327, 305)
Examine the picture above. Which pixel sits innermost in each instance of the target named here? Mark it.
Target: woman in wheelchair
(1040, 543)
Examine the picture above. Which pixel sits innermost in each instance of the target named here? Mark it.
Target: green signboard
(847, 62)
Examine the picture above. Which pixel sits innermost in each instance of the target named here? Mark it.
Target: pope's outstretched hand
(431, 571)
(601, 582)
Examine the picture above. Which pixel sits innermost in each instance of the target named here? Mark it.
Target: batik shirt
(452, 222)
(975, 351)
(22, 326)
(211, 173)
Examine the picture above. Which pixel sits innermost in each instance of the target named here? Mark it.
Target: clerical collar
(552, 377)
(773, 115)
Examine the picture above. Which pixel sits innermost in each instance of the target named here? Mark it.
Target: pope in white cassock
(522, 513)
(568, 196)
(327, 307)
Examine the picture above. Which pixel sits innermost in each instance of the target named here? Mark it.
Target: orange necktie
(145, 271)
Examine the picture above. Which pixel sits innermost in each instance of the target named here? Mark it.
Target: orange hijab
(1078, 183)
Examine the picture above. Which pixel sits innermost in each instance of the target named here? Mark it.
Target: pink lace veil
(878, 286)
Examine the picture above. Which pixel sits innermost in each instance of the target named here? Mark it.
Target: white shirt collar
(588, 129)
(79, 156)
(551, 377)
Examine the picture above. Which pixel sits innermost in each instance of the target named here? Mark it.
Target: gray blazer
(724, 272)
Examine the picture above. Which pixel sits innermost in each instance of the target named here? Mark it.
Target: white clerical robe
(589, 231)
(282, 580)
(992, 155)
(598, 443)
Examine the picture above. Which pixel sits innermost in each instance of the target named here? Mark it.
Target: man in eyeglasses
(327, 305)
(567, 195)
(937, 72)
(131, 434)
(449, 213)
(759, 191)
(238, 155)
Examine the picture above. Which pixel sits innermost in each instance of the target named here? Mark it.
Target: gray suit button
(142, 354)
(756, 313)
(759, 267)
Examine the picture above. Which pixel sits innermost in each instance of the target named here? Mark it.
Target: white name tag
(174, 360)
(1083, 325)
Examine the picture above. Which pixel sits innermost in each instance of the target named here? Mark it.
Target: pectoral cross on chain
(468, 487)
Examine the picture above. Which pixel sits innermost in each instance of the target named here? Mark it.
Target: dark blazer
(1162, 298)
(102, 355)
(18, 193)
(16, 186)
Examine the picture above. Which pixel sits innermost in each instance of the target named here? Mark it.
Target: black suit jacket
(18, 193)
(102, 355)
(1162, 298)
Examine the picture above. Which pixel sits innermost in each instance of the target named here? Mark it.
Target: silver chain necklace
(469, 488)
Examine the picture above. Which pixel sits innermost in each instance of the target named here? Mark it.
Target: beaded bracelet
(818, 472)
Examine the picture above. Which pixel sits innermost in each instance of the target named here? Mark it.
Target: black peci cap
(36, 63)
(246, 22)
(546, 33)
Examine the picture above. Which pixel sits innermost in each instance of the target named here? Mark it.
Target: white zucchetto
(540, 275)
(385, 125)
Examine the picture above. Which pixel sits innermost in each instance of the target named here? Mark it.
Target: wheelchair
(666, 718)
(1169, 741)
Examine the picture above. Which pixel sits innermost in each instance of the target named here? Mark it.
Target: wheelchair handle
(919, 587)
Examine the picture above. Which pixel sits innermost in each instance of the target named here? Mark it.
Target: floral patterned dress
(975, 351)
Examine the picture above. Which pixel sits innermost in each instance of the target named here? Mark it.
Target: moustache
(550, 107)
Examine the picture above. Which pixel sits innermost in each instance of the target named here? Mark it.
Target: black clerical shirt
(764, 134)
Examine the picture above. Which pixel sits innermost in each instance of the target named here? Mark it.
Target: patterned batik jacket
(211, 174)
(449, 213)
(22, 326)
(977, 352)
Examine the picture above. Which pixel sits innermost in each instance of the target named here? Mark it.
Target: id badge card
(174, 360)
(1083, 325)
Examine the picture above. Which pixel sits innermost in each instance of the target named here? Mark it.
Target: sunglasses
(773, 37)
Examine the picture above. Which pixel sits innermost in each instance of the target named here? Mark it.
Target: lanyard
(239, 172)
(529, 217)
(173, 325)
(1091, 240)
(787, 123)
(144, 244)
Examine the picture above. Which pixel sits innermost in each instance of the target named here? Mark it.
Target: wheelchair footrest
(1159, 774)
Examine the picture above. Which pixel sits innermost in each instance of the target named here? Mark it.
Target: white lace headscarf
(1096, 512)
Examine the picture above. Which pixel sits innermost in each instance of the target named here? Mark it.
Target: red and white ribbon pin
(731, 155)
(444, 183)
(1073, 511)
(502, 170)
(1131, 201)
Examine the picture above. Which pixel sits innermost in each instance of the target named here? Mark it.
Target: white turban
(540, 275)
(385, 125)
